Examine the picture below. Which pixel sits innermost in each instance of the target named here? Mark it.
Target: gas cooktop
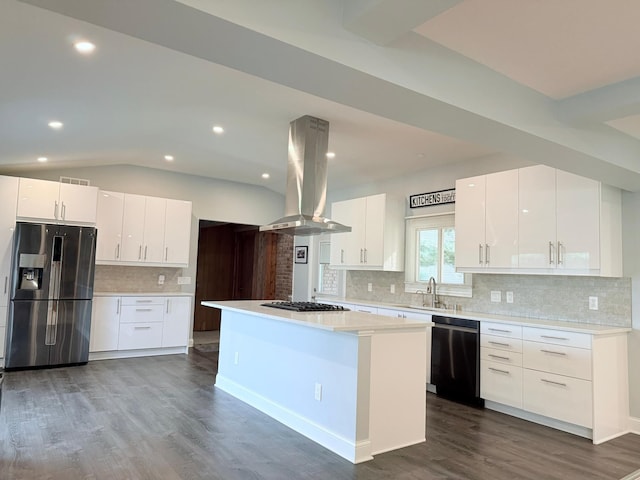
(306, 306)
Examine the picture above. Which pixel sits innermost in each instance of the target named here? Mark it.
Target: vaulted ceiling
(405, 85)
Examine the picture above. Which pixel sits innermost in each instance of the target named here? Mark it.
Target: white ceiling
(403, 92)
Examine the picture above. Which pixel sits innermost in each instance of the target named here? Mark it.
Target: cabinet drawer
(142, 300)
(501, 383)
(134, 336)
(141, 313)
(557, 337)
(563, 398)
(501, 343)
(501, 356)
(570, 361)
(501, 329)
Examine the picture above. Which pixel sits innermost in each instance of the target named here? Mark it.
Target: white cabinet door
(8, 200)
(154, 214)
(470, 222)
(177, 322)
(578, 222)
(105, 324)
(501, 220)
(501, 383)
(78, 203)
(375, 207)
(537, 217)
(341, 213)
(177, 232)
(38, 199)
(349, 247)
(133, 228)
(109, 223)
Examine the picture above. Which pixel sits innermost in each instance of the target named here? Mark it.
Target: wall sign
(440, 197)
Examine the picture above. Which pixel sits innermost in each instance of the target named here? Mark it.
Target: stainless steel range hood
(306, 193)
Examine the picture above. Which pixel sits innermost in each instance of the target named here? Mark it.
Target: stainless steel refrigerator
(51, 292)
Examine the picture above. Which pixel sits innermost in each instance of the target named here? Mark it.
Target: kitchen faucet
(431, 289)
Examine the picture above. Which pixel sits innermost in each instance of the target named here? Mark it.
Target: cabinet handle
(361, 256)
(55, 210)
(497, 370)
(141, 328)
(168, 304)
(499, 343)
(140, 252)
(365, 255)
(559, 254)
(499, 357)
(144, 301)
(498, 330)
(342, 255)
(550, 253)
(166, 253)
(550, 337)
(64, 211)
(143, 309)
(487, 257)
(553, 352)
(145, 252)
(480, 253)
(118, 252)
(6, 281)
(560, 384)
(118, 307)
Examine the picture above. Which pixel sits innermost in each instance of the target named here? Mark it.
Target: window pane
(428, 258)
(449, 274)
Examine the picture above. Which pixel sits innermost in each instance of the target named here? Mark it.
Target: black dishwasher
(455, 359)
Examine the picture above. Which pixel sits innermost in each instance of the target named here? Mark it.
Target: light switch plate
(184, 280)
(496, 296)
(369, 287)
(160, 279)
(509, 297)
(593, 303)
(392, 288)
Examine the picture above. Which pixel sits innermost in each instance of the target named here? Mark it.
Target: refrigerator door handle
(54, 290)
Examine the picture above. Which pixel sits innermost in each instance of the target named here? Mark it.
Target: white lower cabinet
(501, 382)
(3, 323)
(121, 323)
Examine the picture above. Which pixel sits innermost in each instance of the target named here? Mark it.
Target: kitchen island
(350, 381)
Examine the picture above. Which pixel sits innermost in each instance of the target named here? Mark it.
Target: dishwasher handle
(445, 326)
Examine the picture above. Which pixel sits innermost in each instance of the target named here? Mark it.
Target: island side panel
(398, 390)
(275, 366)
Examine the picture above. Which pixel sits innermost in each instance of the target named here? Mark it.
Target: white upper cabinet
(177, 232)
(376, 240)
(487, 221)
(109, 223)
(42, 200)
(8, 199)
(141, 230)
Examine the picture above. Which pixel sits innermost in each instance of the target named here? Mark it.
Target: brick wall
(284, 267)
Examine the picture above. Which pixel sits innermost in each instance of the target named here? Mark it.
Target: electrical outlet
(236, 358)
(392, 288)
(496, 296)
(370, 287)
(509, 297)
(160, 279)
(318, 392)
(593, 303)
(184, 280)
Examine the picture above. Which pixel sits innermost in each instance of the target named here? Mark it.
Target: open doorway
(237, 262)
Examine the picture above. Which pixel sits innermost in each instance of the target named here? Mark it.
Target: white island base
(350, 381)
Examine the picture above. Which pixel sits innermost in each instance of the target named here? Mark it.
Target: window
(431, 252)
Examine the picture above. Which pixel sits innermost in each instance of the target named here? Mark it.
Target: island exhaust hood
(306, 193)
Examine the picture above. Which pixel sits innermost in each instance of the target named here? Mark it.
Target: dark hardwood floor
(161, 418)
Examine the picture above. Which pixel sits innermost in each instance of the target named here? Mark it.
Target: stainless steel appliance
(51, 292)
(306, 306)
(455, 359)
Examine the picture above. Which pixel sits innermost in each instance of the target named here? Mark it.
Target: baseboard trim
(147, 352)
(355, 452)
(634, 425)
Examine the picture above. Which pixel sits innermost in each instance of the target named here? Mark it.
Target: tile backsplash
(547, 297)
(118, 279)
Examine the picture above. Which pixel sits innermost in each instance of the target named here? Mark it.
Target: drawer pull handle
(497, 370)
(143, 310)
(141, 328)
(560, 384)
(144, 301)
(499, 357)
(498, 330)
(499, 343)
(552, 352)
(550, 337)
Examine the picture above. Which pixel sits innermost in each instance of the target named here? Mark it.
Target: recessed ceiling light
(42, 159)
(265, 175)
(56, 125)
(331, 155)
(168, 158)
(84, 47)
(218, 129)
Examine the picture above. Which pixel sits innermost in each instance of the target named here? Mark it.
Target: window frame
(412, 225)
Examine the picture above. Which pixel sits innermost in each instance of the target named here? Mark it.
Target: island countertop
(337, 321)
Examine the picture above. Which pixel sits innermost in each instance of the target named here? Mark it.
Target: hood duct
(306, 193)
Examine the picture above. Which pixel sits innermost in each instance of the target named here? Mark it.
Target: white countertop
(142, 294)
(334, 321)
(524, 321)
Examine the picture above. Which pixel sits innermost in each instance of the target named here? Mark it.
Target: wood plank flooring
(160, 418)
